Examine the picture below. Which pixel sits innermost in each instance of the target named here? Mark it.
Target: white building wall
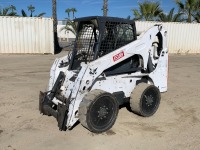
(26, 35)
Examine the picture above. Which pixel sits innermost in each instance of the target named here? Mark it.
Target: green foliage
(190, 9)
(12, 8)
(31, 8)
(6, 12)
(11, 11)
(197, 17)
(23, 13)
(73, 11)
(40, 15)
(69, 10)
(171, 17)
(148, 11)
(70, 26)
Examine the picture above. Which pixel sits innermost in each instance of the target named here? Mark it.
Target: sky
(116, 8)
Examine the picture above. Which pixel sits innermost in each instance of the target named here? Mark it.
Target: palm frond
(137, 15)
(40, 15)
(196, 17)
(23, 13)
(70, 26)
(177, 17)
(170, 15)
(189, 8)
(5, 11)
(148, 11)
(180, 5)
(12, 14)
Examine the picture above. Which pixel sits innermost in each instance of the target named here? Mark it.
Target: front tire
(98, 111)
(145, 99)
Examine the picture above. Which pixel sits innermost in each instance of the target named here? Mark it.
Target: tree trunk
(57, 48)
(189, 16)
(105, 7)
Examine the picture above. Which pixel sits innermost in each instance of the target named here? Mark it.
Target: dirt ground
(175, 126)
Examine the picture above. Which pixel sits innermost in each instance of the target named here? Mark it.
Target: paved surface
(175, 126)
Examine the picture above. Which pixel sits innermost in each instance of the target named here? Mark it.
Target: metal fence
(182, 37)
(26, 35)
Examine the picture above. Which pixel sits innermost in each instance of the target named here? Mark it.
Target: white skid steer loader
(108, 66)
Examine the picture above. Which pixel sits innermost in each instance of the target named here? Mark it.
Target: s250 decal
(118, 56)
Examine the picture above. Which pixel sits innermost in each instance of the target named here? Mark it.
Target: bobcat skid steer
(108, 66)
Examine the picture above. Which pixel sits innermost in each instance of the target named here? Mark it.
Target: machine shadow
(126, 105)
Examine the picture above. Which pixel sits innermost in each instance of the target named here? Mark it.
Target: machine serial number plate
(118, 56)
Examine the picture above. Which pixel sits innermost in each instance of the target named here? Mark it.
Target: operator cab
(98, 36)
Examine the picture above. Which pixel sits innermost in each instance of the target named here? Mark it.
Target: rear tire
(145, 99)
(98, 111)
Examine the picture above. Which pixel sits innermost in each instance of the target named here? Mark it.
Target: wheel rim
(103, 112)
(150, 100)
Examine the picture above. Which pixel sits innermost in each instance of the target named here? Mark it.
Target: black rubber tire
(98, 111)
(145, 99)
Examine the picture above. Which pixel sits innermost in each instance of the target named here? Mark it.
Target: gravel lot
(175, 126)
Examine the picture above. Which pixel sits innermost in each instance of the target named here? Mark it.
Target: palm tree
(31, 8)
(189, 8)
(6, 12)
(171, 17)
(148, 11)
(73, 11)
(68, 10)
(70, 26)
(12, 8)
(24, 14)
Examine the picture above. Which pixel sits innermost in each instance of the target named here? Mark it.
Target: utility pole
(57, 48)
(105, 7)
